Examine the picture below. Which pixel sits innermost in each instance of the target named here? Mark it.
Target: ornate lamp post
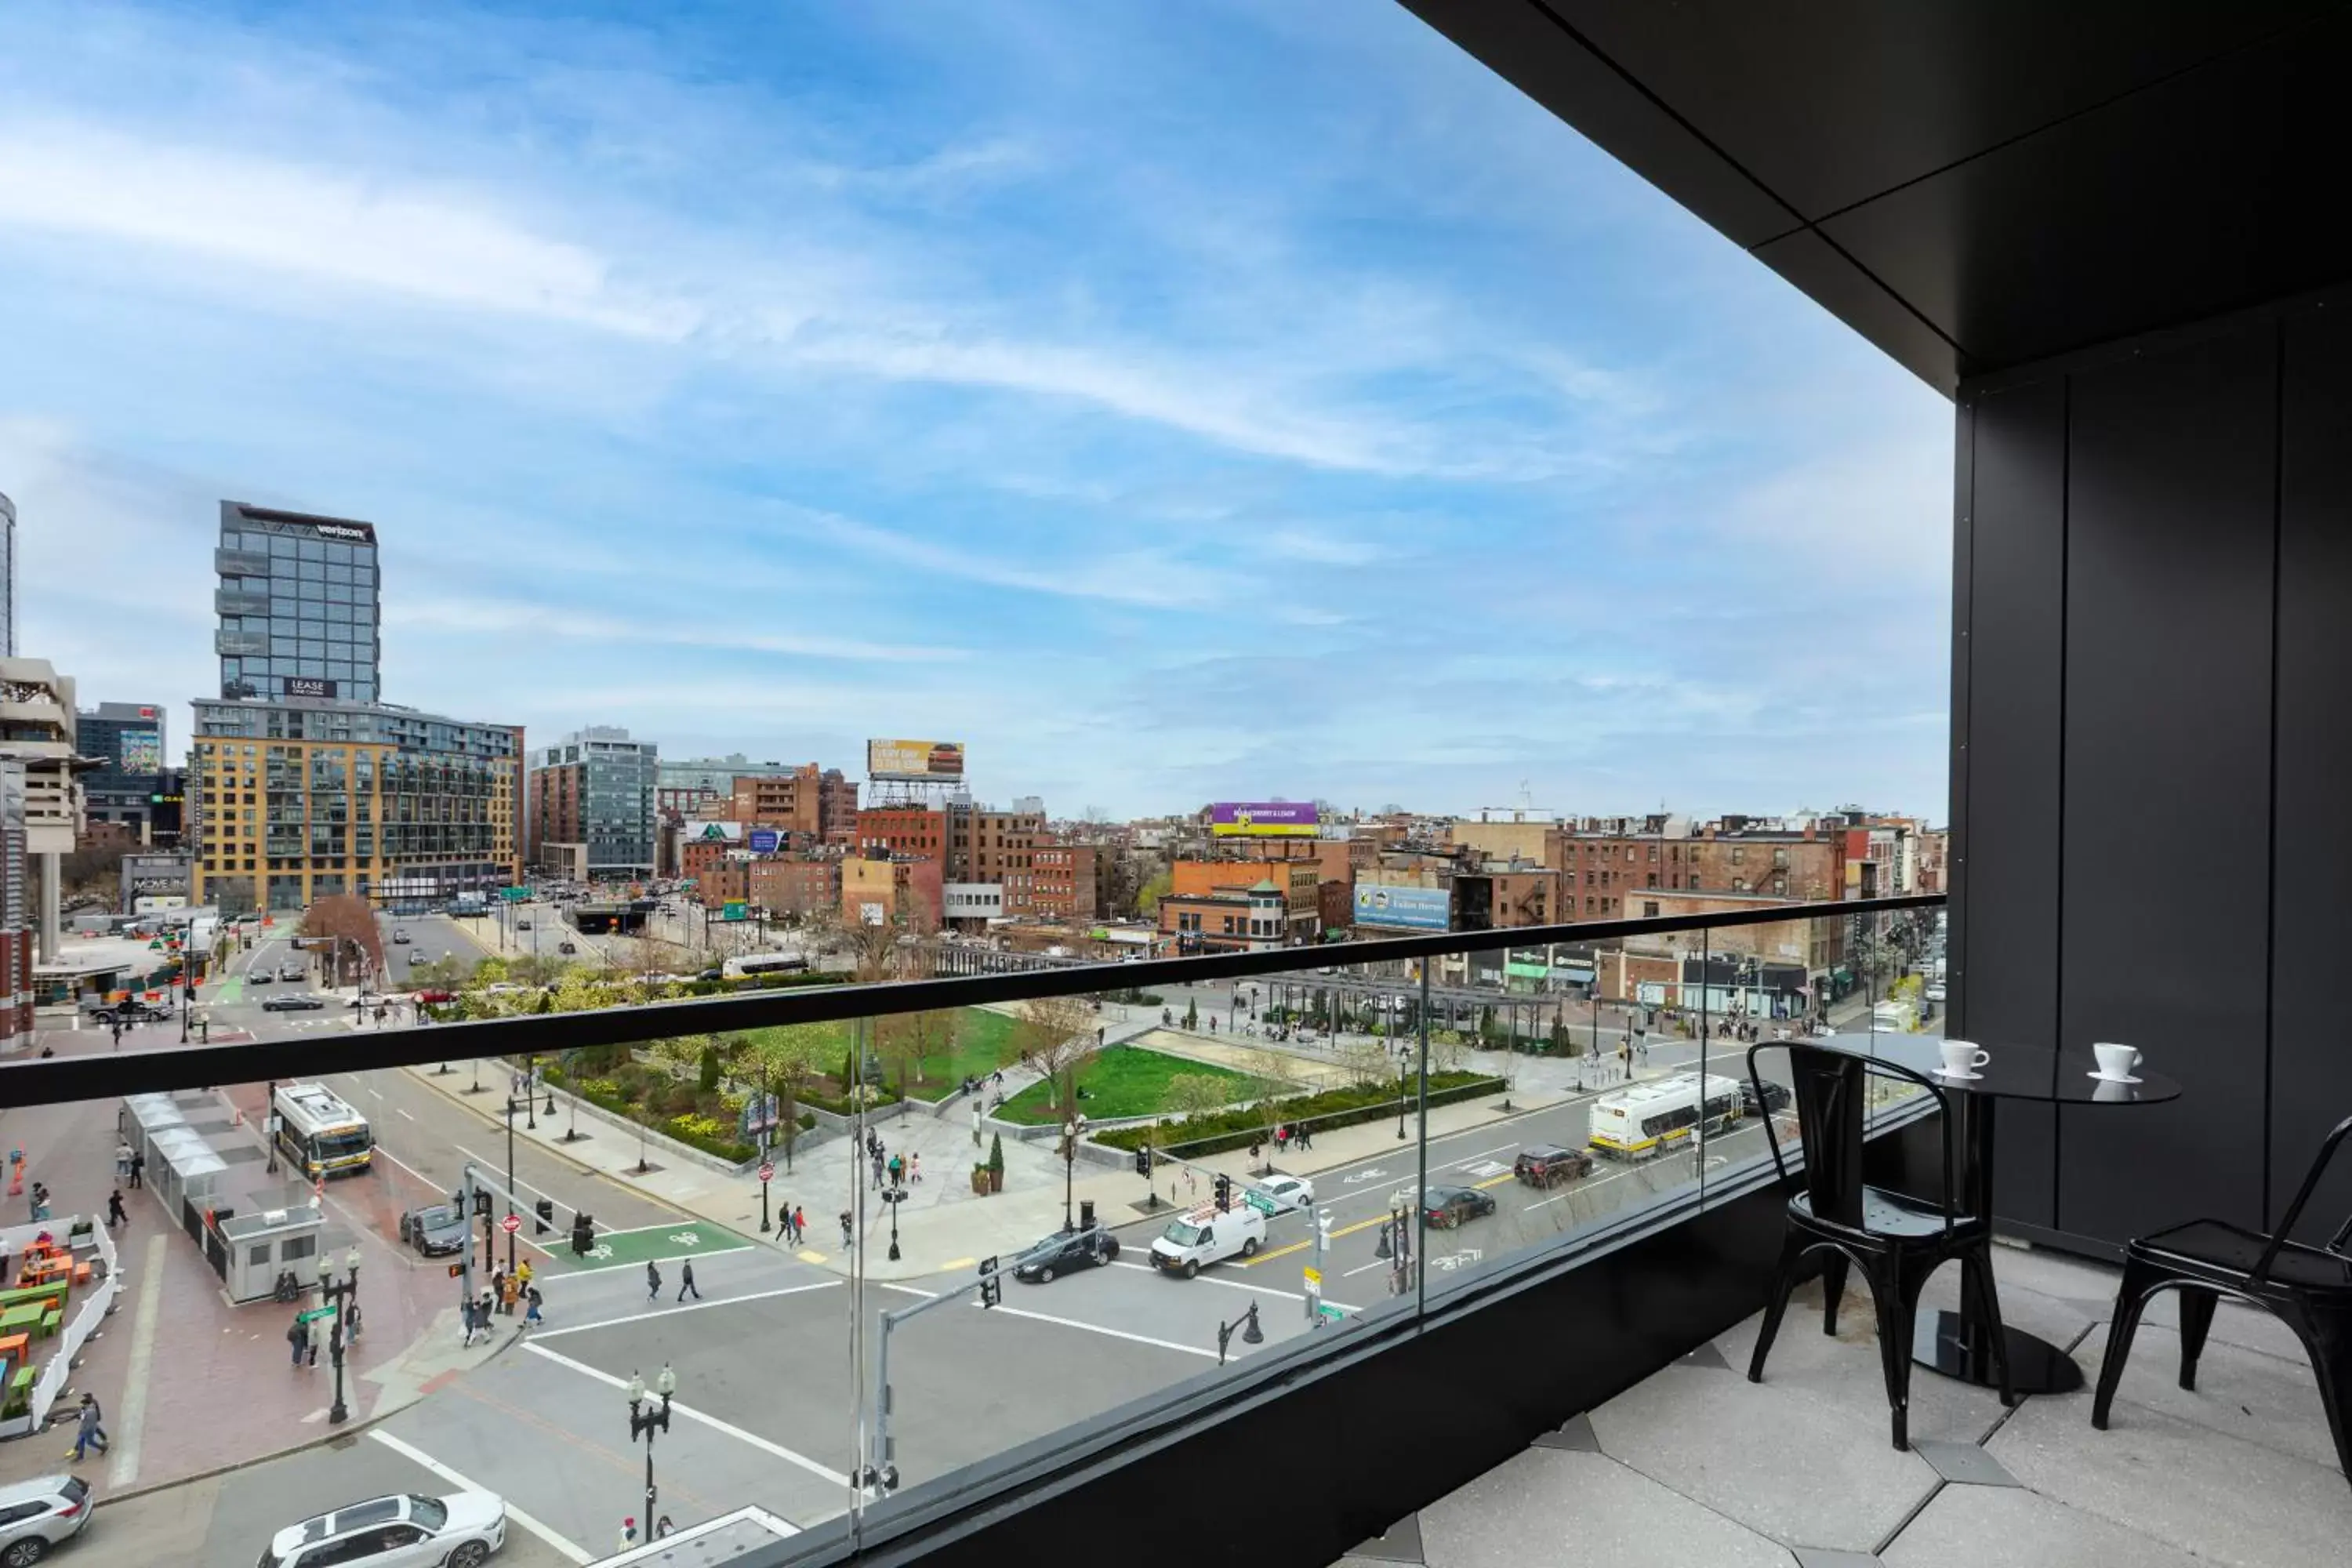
(336, 1294)
(642, 1421)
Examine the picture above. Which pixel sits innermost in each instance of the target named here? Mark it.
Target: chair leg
(1833, 1290)
(1784, 1280)
(1975, 1274)
(1895, 1294)
(2131, 1297)
(2196, 1317)
(2328, 1340)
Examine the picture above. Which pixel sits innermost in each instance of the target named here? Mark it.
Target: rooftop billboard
(914, 759)
(1404, 909)
(1264, 819)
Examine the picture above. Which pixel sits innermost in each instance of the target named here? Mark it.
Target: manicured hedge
(1198, 1135)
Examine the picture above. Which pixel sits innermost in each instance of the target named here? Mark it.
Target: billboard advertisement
(308, 686)
(1404, 909)
(914, 759)
(764, 841)
(1264, 819)
(141, 750)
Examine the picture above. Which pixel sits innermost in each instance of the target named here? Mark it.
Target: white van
(1208, 1235)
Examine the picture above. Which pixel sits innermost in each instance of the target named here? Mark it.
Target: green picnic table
(54, 1293)
(26, 1317)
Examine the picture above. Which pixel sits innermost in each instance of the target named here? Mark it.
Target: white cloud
(509, 617)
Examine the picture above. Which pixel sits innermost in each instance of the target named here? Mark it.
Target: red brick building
(820, 805)
(1068, 883)
(904, 889)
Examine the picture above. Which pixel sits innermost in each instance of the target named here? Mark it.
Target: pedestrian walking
(318, 1333)
(685, 1281)
(87, 1435)
(465, 1317)
(522, 1274)
(532, 1301)
(845, 1227)
(298, 1336)
(352, 1323)
(914, 1167)
(898, 1170)
(653, 1281)
(122, 1161)
(138, 1170)
(628, 1533)
(497, 1286)
(800, 1224)
(115, 1218)
(878, 1173)
(662, 1527)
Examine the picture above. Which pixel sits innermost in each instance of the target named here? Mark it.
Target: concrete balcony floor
(1697, 1465)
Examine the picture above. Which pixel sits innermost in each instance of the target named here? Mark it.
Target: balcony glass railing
(889, 1247)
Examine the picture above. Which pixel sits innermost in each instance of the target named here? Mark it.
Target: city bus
(753, 966)
(1646, 1119)
(320, 1132)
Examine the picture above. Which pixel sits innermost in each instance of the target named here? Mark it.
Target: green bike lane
(651, 1244)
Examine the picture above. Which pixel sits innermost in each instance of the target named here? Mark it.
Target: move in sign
(512, 1224)
(767, 1173)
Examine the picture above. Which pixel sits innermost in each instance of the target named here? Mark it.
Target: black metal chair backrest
(2335, 1243)
(1830, 1091)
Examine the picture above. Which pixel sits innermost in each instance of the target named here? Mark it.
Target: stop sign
(512, 1224)
(767, 1173)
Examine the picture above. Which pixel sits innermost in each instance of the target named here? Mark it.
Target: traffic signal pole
(881, 1472)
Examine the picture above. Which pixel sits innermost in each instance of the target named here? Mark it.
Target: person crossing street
(653, 1281)
(686, 1285)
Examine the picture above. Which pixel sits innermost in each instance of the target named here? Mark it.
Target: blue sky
(1212, 401)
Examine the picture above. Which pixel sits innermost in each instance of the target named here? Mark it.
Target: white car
(405, 1531)
(1287, 1191)
(1936, 991)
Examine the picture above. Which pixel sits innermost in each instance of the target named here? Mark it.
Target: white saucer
(1947, 1072)
(2105, 1078)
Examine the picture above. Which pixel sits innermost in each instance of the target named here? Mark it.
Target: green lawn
(981, 1047)
(1125, 1080)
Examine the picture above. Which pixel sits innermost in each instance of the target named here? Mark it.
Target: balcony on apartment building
(1512, 1317)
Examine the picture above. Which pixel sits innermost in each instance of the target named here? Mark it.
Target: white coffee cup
(2116, 1062)
(1962, 1058)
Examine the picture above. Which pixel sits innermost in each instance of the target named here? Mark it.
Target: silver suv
(405, 1531)
(38, 1514)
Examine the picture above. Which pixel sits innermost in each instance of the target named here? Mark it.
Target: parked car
(460, 1530)
(36, 1515)
(293, 1003)
(1935, 991)
(1060, 1254)
(1287, 1191)
(1547, 1166)
(1448, 1207)
(399, 938)
(289, 971)
(1775, 1098)
(436, 1230)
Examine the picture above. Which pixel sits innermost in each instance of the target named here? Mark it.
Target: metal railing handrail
(58, 1079)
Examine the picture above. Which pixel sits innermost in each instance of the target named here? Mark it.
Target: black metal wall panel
(2165, 864)
(2311, 1051)
(2010, 635)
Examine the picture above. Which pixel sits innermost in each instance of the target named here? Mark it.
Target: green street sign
(1328, 1310)
(314, 1313)
(515, 895)
(1260, 1202)
(734, 910)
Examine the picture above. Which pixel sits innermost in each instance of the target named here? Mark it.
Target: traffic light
(583, 1235)
(1323, 1228)
(482, 1202)
(1224, 1193)
(1143, 1161)
(543, 1213)
(992, 1288)
(457, 1271)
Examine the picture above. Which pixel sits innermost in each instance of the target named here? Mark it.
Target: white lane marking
(673, 1310)
(1375, 1263)
(417, 1455)
(403, 1111)
(1480, 1155)
(134, 1408)
(1585, 1187)
(1098, 1328)
(912, 1290)
(409, 1168)
(1239, 1285)
(375, 1091)
(691, 1414)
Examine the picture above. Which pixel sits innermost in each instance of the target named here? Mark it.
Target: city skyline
(1208, 432)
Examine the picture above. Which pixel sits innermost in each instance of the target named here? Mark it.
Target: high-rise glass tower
(8, 578)
(300, 604)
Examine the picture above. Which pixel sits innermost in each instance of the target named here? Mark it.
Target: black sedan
(1066, 1254)
(293, 1003)
(1775, 1098)
(260, 977)
(437, 1230)
(1446, 1207)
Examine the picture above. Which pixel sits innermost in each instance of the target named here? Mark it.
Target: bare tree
(1059, 1037)
(1199, 1093)
(342, 927)
(788, 1058)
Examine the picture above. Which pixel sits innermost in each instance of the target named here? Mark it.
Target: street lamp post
(1251, 1333)
(642, 1421)
(335, 1293)
(762, 1115)
(1400, 1099)
(893, 1196)
(511, 1185)
(1071, 1125)
(269, 1126)
(531, 1093)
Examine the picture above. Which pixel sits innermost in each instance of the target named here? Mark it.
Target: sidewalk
(189, 1383)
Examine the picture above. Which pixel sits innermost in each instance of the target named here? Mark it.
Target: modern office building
(686, 784)
(36, 731)
(594, 791)
(8, 578)
(292, 802)
(299, 603)
(133, 784)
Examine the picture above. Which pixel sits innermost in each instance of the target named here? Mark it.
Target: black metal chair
(2308, 1289)
(1897, 1240)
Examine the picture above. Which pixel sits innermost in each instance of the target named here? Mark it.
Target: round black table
(1958, 1345)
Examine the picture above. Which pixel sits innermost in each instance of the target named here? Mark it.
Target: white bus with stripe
(1645, 1121)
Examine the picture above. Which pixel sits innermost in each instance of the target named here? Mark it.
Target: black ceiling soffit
(1970, 184)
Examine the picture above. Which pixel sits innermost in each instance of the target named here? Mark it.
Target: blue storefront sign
(764, 841)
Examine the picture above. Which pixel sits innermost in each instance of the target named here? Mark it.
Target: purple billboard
(1265, 819)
